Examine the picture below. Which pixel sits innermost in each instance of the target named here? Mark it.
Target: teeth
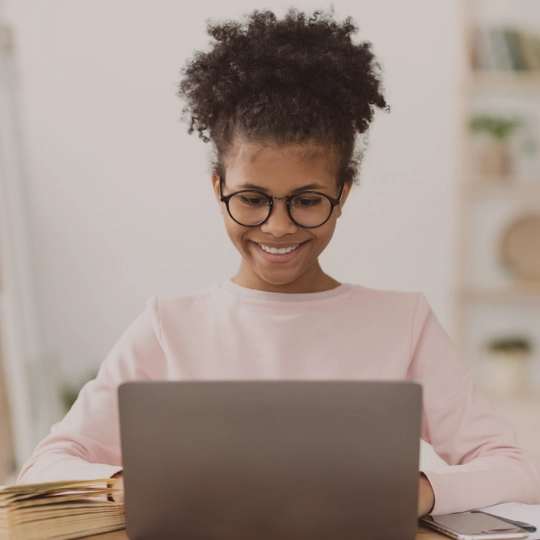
(280, 251)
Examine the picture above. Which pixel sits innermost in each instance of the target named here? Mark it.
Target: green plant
(510, 344)
(70, 391)
(498, 127)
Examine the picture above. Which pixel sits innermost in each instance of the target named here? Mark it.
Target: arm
(486, 464)
(426, 497)
(86, 443)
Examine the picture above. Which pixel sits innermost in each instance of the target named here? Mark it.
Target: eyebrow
(305, 187)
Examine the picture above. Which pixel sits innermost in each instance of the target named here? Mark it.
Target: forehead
(281, 167)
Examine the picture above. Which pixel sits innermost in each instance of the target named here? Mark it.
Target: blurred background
(106, 200)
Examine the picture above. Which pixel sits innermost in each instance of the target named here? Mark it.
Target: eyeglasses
(308, 209)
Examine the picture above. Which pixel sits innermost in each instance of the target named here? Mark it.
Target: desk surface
(423, 534)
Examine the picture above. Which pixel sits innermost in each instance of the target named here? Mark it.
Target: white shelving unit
(490, 302)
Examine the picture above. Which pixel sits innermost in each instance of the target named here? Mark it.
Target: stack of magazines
(59, 510)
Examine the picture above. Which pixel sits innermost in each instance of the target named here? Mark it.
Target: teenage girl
(283, 103)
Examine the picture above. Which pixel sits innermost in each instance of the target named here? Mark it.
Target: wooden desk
(423, 534)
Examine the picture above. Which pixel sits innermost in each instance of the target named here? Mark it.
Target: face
(280, 172)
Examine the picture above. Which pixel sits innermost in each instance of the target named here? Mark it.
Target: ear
(346, 190)
(215, 187)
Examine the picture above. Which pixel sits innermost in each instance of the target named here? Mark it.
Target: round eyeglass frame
(270, 198)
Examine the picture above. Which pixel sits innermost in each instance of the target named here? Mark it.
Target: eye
(307, 201)
(253, 200)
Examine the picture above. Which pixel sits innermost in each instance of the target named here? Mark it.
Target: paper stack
(59, 510)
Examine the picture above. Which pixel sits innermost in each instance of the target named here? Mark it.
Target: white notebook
(528, 513)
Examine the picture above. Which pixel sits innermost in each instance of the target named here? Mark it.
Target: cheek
(235, 232)
(325, 233)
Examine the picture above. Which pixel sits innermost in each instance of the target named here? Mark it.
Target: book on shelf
(530, 50)
(513, 44)
(505, 48)
(59, 510)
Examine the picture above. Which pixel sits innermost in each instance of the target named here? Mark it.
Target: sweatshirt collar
(283, 297)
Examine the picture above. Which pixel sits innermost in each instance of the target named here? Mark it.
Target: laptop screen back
(270, 460)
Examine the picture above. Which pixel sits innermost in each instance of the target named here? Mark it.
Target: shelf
(502, 187)
(529, 401)
(525, 292)
(511, 81)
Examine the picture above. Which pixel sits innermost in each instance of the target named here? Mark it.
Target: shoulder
(164, 307)
(390, 309)
(388, 299)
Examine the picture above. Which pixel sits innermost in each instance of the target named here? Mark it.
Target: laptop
(270, 460)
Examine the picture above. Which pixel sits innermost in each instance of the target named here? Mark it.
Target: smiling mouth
(278, 251)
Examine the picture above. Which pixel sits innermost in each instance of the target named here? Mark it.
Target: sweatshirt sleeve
(86, 443)
(486, 465)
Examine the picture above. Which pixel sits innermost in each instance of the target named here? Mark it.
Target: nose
(279, 223)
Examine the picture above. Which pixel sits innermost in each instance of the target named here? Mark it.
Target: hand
(426, 496)
(118, 496)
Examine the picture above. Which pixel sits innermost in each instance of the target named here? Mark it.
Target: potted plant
(507, 364)
(69, 392)
(494, 157)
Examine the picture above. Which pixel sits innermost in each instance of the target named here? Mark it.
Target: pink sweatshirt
(351, 332)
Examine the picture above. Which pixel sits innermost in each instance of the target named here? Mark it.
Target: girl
(283, 102)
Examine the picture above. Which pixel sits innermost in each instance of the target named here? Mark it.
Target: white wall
(120, 196)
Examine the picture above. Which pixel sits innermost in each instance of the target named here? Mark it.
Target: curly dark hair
(299, 81)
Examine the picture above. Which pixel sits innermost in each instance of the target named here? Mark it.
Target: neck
(312, 280)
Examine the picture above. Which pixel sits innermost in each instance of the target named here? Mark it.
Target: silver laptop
(279, 460)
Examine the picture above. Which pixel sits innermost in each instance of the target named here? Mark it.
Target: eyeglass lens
(307, 209)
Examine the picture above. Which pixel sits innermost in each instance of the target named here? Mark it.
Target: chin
(279, 278)
(277, 282)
